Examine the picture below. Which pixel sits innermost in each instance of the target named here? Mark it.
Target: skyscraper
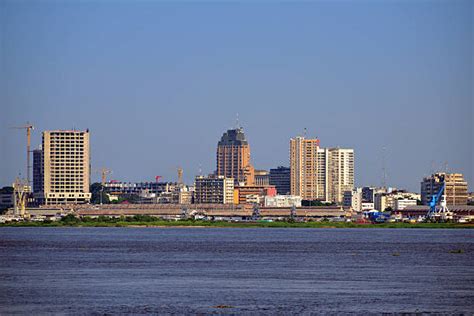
(307, 169)
(341, 173)
(65, 171)
(320, 173)
(233, 157)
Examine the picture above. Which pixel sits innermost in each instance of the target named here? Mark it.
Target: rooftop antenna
(200, 170)
(304, 132)
(445, 167)
(237, 124)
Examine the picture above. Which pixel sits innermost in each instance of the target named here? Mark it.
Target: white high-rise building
(320, 173)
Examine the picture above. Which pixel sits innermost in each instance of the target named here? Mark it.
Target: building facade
(213, 190)
(455, 190)
(341, 173)
(63, 168)
(233, 157)
(281, 178)
(353, 199)
(247, 194)
(262, 177)
(38, 180)
(308, 165)
(320, 173)
(283, 201)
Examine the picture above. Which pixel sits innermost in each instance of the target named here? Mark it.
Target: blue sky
(157, 83)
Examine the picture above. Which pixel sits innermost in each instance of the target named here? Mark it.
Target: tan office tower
(456, 188)
(308, 166)
(320, 173)
(66, 167)
(341, 173)
(233, 157)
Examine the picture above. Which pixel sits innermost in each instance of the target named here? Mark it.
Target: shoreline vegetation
(149, 221)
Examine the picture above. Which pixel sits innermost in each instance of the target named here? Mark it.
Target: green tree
(97, 191)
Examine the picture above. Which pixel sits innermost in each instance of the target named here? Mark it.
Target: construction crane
(180, 175)
(103, 174)
(28, 128)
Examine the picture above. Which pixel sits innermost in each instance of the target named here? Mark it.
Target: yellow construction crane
(180, 175)
(28, 128)
(103, 175)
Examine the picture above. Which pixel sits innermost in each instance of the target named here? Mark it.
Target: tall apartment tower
(455, 191)
(308, 165)
(63, 168)
(341, 173)
(233, 157)
(320, 173)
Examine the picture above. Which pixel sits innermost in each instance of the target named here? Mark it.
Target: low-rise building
(353, 199)
(244, 192)
(283, 201)
(367, 206)
(213, 190)
(402, 204)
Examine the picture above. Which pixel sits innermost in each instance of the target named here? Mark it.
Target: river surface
(250, 271)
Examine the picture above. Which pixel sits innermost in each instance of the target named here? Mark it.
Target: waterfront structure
(281, 178)
(320, 173)
(262, 177)
(62, 168)
(233, 157)
(283, 201)
(151, 192)
(213, 190)
(353, 199)
(455, 190)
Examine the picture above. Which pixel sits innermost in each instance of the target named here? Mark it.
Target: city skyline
(169, 79)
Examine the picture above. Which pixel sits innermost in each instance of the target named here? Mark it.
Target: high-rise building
(308, 165)
(62, 168)
(280, 178)
(38, 180)
(455, 190)
(213, 190)
(233, 157)
(320, 173)
(341, 173)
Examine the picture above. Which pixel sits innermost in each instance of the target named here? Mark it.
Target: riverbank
(206, 224)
